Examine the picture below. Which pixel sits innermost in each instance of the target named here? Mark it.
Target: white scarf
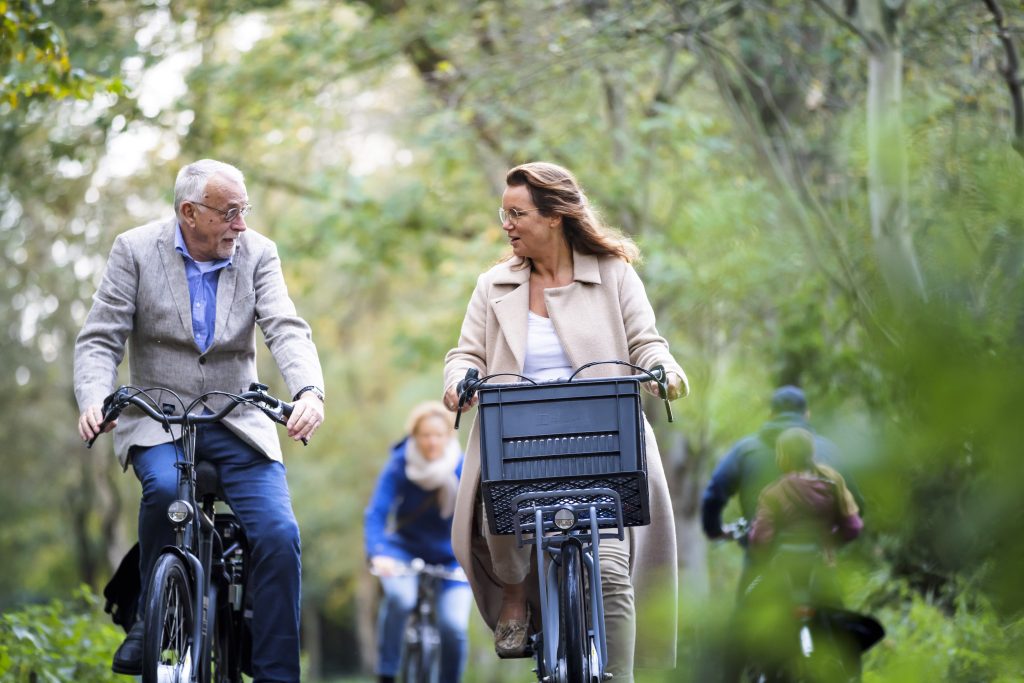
(435, 475)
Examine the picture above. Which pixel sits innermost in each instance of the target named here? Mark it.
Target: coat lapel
(174, 270)
(512, 311)
(572, 311)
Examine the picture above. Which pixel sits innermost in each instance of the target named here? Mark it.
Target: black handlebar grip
(471, 376)
(465, 389)
(286, 412)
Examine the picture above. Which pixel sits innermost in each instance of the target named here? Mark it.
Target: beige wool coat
(604, 314)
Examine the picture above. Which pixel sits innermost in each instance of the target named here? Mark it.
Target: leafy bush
(62, 641)
(928, 640)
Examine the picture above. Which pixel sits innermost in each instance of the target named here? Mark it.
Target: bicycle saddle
(207, 481)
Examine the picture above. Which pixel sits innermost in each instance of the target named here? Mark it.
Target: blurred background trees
(826, 193)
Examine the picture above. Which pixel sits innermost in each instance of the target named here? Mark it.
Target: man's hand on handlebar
(307, 416)
(90, 421)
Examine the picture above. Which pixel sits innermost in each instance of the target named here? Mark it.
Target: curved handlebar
(277, 410)
(472, 383)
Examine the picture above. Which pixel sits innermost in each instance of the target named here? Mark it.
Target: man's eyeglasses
(231, 214)
(512, 215)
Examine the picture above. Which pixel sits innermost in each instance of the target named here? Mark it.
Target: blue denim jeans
(257, 491)
(453, 605)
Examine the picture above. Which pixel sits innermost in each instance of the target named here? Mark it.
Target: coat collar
(585, 268)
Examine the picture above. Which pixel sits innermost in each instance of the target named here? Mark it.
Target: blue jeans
(256, 490)
(453, 604)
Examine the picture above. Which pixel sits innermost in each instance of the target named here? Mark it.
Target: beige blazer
(604, 314)
(142, 304)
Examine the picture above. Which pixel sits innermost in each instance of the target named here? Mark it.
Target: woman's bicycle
(421, 647)
(563, 467)
(196, 628)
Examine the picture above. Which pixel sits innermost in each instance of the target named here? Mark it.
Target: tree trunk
(312, 643)
(683, 472)
(887, 156)
(366, 619)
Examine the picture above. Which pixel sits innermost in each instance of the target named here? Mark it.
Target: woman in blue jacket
(409, 517)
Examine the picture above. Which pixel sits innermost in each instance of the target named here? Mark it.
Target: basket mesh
(630, 487)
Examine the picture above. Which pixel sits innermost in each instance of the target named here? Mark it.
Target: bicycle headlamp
(565, 518)
(179, 512)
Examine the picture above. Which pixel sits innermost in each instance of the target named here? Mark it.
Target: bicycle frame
(423, 636)
(589, 538)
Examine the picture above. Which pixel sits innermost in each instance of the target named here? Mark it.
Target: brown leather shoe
(511, 637)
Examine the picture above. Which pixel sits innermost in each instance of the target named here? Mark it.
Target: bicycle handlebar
(418, 566)
(277, 410)
(737, 531)
(472, 383)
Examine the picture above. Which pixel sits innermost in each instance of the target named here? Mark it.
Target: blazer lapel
(225, 296)
(177, 283)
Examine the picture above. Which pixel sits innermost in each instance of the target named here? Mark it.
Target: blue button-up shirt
(202, 291)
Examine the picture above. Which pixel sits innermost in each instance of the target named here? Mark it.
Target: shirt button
(202, 360)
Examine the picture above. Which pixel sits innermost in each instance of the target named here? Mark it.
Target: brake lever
(113, 404)
(281, 415)
(662, 380)
(465, 389)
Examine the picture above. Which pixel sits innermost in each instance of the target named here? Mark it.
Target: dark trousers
(257, 491)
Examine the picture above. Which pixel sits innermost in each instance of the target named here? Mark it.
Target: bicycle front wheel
(573, 642)
(421, 656)
(168, 649)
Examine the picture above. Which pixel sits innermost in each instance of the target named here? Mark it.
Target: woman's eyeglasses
(512, 215)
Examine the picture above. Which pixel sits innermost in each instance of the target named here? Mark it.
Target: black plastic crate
(564, 436)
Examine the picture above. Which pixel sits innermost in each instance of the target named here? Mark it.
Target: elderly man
(184, 295)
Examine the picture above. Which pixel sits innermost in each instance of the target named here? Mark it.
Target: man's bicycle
(421, 647)
(562, 467)
(815, 640)
(196, 628)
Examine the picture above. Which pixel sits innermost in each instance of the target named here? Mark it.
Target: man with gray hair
(184, 295)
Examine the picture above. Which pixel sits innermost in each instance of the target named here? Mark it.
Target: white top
(545, 357)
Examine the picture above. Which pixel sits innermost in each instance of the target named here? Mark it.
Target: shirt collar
(182, 248)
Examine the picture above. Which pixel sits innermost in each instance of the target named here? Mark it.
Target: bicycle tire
(167, 645)
(573, 642)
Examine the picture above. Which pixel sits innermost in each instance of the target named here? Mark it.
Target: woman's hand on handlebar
(382, 565)
(675, 386)
(451, 399)
(90, 420)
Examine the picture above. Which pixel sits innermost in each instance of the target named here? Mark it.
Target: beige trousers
(512, 565)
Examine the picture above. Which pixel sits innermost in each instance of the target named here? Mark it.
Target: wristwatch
(317, 391)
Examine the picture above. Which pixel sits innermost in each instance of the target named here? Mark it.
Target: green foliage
(926, 641)
(729, 139)
(63, 641)
(35, 60)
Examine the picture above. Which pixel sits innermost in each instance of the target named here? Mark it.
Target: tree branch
(870, 41)
(1011, 72)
